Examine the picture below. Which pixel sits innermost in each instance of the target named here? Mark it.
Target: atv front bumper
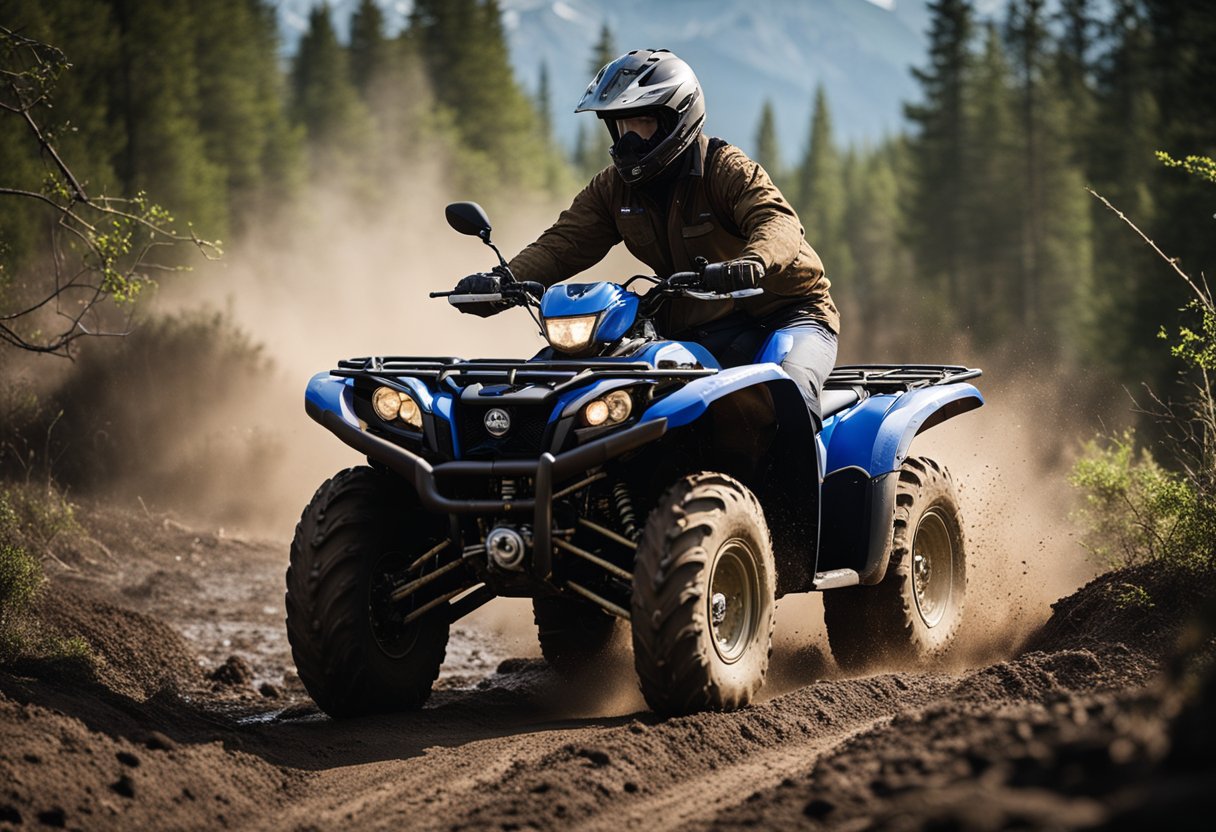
(545, 472)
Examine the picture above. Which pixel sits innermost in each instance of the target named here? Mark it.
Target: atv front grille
(526, 437)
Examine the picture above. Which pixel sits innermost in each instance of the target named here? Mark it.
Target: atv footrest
(836, 578)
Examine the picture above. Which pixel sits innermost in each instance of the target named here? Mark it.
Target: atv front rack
(558, 374)
(894, 378)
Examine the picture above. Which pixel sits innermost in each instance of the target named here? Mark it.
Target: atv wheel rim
(734, 592)
(384, 615)
(932, 567)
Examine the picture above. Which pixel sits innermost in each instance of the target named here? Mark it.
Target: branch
(1205, 299)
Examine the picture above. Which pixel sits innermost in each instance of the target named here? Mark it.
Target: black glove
(482, 283)
(732, 276)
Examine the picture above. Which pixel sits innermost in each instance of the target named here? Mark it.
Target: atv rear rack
(559, 374)
(891, 378)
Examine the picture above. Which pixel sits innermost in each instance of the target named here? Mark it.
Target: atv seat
(837, 399)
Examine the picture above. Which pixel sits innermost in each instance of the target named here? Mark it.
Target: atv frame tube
(545, 471)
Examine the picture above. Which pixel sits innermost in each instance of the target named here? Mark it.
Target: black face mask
(632, 148)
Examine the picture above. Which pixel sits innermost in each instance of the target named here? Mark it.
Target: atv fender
(865, 448)
(332, 393)
(690, 402)
(752, 423)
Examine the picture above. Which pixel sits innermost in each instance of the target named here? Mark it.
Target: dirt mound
(135, 655)
(62, 770)
(1146, 607)
(115, 742)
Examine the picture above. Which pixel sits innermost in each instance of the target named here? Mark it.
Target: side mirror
(468, 218)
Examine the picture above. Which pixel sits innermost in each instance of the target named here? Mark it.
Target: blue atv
(620, 477)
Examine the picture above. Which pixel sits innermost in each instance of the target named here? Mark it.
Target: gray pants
(805, 349)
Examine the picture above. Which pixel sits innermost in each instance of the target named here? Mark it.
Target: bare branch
(99, 248)
(1205, 299)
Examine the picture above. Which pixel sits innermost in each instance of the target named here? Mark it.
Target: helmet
(647, 82)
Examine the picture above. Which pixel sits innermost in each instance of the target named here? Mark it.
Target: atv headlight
(391, 404)
(608, 410)
(571, 334)
(387, 403)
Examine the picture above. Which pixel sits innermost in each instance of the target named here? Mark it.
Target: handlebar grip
(456, 299)
(440, 294)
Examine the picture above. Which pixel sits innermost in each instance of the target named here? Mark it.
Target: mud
(192, 718)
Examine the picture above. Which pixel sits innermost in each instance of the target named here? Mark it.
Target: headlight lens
(620, 405)
(410, 414)
(611, 409)
(391, 404)
(596, 413)
(387, 403)
(571, 334)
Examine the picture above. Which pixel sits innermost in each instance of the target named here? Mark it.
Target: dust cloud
(1010, 465)
(343, 281)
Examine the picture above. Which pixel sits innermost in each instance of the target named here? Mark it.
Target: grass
(32, 519)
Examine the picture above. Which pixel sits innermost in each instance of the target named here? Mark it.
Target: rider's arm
(579, 239)
(770, 224)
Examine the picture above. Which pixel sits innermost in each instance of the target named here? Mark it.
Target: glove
(482, 283)
(732, 276)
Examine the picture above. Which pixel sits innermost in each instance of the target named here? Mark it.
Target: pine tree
(325, 102)
(820, 194)
(1055, 216)
(370, 50)
(990, 249)
(593, 141)
(544, 103)
(78, 121)
(604, 52)
(768, 151)
(878, 287)
(935, 212)
(1123, 169)
(241, 113)
(157, 103)
(465, 50)
(1074, 71)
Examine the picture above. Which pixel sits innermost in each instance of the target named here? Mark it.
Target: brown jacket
(734, 191)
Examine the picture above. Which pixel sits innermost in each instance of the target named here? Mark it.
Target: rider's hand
(732, 275)
(482, 283)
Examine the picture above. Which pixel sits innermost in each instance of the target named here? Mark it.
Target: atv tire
(573, 634)
(703, 598)
(913, 614)
(349, 653)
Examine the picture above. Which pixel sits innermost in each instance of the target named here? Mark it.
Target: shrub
(1137, 512)
(20, 580)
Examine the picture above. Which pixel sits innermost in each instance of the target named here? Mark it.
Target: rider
(673, 195)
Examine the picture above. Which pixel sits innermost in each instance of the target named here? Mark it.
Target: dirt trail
(167, 736)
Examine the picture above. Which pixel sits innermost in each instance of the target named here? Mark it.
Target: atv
(621, 477)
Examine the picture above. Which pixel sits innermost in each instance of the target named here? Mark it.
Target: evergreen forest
(975, 219)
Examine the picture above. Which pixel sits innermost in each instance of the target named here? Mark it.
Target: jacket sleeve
(764, 217)
(581, 237)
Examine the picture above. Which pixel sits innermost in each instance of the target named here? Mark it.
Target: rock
(270, 690)
(235, 672)
(157, 741)
(124, 786)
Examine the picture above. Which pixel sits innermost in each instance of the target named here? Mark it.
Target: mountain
(744, 51)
